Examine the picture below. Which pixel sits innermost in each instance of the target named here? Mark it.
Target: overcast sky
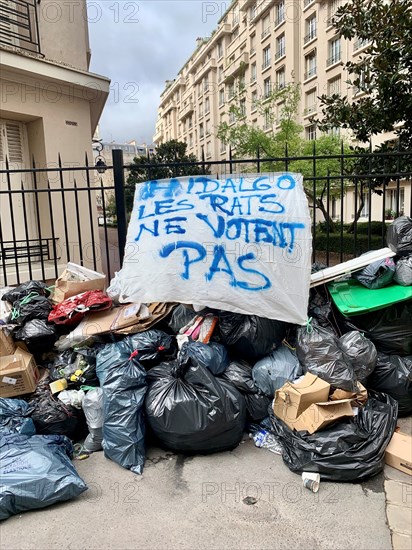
(138, 45)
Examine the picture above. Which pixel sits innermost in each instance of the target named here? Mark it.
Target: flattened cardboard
(76, 279)
(291, 400)
(7, 345)
(398, 453)
(319, 415)
(358, 398)
(18, 374)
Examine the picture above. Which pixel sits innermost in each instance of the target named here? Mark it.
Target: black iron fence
(19, 25)
(52, 215)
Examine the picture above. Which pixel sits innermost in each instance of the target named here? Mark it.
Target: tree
(247, 140)
(383, 71)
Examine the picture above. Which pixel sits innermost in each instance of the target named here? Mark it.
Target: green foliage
(332, 242)
(375, 228)
(383, 71)
(162, 165)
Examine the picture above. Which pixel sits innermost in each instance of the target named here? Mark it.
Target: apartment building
(50, 105)
(259, 45)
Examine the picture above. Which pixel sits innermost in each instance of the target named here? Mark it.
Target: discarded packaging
(399, 452)
(319, 415)
(7, 345)
(311, 481)
(358, 398)
(18, 374)
(76, 279)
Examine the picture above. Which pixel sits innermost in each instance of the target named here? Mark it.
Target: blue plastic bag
(14, 417)
(36, 472)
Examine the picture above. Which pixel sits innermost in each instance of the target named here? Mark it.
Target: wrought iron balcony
(19, 25)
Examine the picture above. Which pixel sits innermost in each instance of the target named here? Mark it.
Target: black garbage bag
(180, 317)
(15, 417)
(38, 335)
(350, 450)
(124, 390)
(320, 306)
(29, 308)
(191, 411)
(212, 356)
(377, 274)
(52, 417)
(250, 337)
(153, 347)
(77, 367)
(36, 472)
(273, 371)
(399, 236)
(390, 329)
(361, 353)
(403, 273)
(319, 353)
(33, 288)
(239, 374)
(393, 375)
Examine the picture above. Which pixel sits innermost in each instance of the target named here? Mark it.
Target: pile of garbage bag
(112, 377)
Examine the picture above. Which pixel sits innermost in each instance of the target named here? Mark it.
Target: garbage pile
(76, 367)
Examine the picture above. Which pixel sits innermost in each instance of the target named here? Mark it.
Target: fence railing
(52, 215)
(19, 25)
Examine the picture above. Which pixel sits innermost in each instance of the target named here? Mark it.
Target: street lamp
(100, 163)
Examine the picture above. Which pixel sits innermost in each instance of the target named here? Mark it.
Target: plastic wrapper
(36, 472)
(153, 346)
(124, 390)
(191, 411)
(403, 273)
(77, 367)
(72, 310)
(377, 274)
(399, 236)
(180, 317)
(271, 372)
(350, 450)
(52, 417)
(93, 410)
(319, 353)
(390, 329)
(250, 337)
(212, 356)
(15, 417)
(361, 353)
(33, 288)
(393, 375)
(29, 308)
(38, 335)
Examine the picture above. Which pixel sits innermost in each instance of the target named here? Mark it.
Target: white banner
(241, 243)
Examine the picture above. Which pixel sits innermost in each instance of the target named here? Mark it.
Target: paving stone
(399, 519)
(401, 542)
(398, 493)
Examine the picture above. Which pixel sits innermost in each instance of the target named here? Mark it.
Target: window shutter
(14, 141)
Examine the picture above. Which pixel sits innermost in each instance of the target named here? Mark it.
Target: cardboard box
(18, 374)
(398, 453)
(76, 279)
(7, 345)
(319, 415)
(358, 398)
(291, 400)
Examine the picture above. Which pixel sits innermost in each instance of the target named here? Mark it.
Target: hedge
(361, 228)
(348, 243)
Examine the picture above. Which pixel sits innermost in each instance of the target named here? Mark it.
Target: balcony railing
(310, 36)
(265, 32)
(19, 25)
(310, 72)
(265, 64)
(279, 19)
(359, 43)
(332, 60)
(280, 53)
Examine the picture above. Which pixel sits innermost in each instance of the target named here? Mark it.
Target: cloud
(139, 45)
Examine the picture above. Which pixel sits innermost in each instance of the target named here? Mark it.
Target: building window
(232, 117)
(219, 49)
(208, 127)
(206, 84)
(266, 120)
(190, 140)
(280, 12)
(220, 73)
(201, 131)
(391, 202)
(243, 107)
(254, 101)
(311, 29)
(190, 123)
(252, 12)
(334, 131)
(221, 97)
(252, 44)
(207, 105)
(280, 79)
(253, 72)
(332, 9)
(334, 52)
(334, 86)
(267, 87)
(310, 102)
(266, 58)
(365, 209)
(265, 26)
(200, 109)
(280, 46)
(310, 65)
(241, 82)
(311, 132)
(222, 147)
(231, 90)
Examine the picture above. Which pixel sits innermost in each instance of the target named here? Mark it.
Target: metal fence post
(119, 182)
